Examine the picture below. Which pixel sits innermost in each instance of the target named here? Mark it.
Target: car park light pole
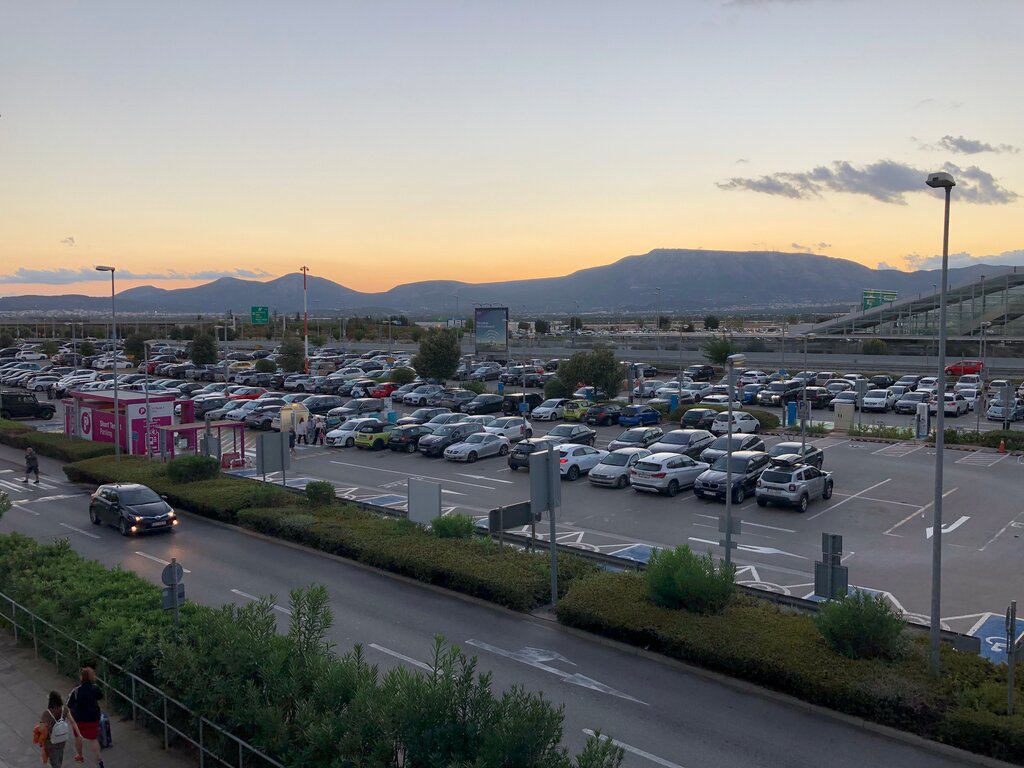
(945, 182)
(113, 339)
(305, 322)
(730, 364)
(803, 401)
(979, 394)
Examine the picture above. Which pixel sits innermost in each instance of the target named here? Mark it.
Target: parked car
(361, 406)
(445, 418)
(444, 436)
(484, 404)
(478, 446)
(132, 509)
(965, 367)
(639, 415)
(644, 437)
(741, 422)
(549, 410)
(24, 405)
(878, 400)
(407, 438)
(788, 482)
(698, 418)
(613, 468)
(571, 433)
(689, 442)
(997, 410)
(849, 396)
(909, 381)
(373, 435)
(603, 415)
(719, 448)
(262, 417)
(746, 468)
(519, 457)
(665, 473)
(696, 389)
(953, 404)
(512, 427)
(575, 410)
(780, 393)
(700, 372)
(968, 381)
(909, 402)
(575, 460)
(421, 394)
(344, 435)
(451, 398)
(811, 454)
(421, 416)
(512, 403)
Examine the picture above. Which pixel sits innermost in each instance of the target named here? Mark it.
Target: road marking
(848, 498)
(402, 656)
(897, 450)
(79, 530)
(1013, 523)
(752, 548)
(535, 657)
(846, 557)
(247, 596)
(754, 525)
(635, 750)
(829, 445)
(982, 458)
(948, 527)
(880, 501)
(408, 474)
(17, 505)
(487, 479)
(160, 560)
(915, 513)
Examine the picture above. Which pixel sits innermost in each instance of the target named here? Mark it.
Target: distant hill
(688, 279)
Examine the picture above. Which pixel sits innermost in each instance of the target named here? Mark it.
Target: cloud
(886, 181)
(809, 248)
(823, 246)
(887, 265)
(742, 161)
(68, 241)
(964, 259)
(63, 275)
(931, 103)
(964, 146)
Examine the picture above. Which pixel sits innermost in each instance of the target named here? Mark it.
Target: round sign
(172, 574)
(86, 423)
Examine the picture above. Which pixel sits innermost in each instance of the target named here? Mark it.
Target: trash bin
(501, 388)
(790, 413)
(392, 417)
(673, 403)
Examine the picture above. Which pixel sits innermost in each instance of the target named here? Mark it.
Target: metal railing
(150, 706)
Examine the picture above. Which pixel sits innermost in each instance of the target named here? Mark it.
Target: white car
(483, 419)
(666, 473)
(699, 389)
(967, 381)
(668, 389)
(345, 435)
(613, 469)
(972, 396)
(927, 384)
(477, 446)
(648, 388)
(878, 400)
(742, 422)
(550, 410)
(720, 400)
(511, 427)
(753, 377)
(575, 460)
(953, 404)
(30, 354)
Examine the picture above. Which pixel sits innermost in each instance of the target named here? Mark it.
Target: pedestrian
(84, 703)
(56, 734)
(311, 431)
(321, 430)
(31, 465)
(291, 441)
(301, 431)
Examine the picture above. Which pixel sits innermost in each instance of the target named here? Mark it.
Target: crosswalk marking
(982, 459)
(897, 450)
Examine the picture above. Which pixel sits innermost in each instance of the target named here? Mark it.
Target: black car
(321, 404)
(697, 418)
(882, 381)
(746, 467)
(483, 404)
(445, 435)
(131, 508)
(255, 379)
(779, 393)
(700, 372)
(407, 438)
(818, 397)
(519, 457)
(689, 442)
(20, 405)
(511, 404)
(603, 415)
(577, 434)
(421, 416)
(909, 402)
(208, 404)
(811, 453)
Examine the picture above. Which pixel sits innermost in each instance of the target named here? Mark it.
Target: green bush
(475, 386)
(189, 469)
(768, 419)
(863, 626)
(453, 527)
(265, 366)
(679, 578)
(555, 388)
(402, 375)
(881, 431)
(319, 493)
(874, 347)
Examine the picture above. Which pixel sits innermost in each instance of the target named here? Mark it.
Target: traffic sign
(171, 601)
(172, 574)
(260, 315)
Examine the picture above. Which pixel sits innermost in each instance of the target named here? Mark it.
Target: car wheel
(802, 504)
(757, 429)
(471, 458)
(573, 473)
(93, 517)
(739, 495)
(673, 488)
(513, 467)
(827, 493)
(350, 442)
(123, 528)
(503, 451)
(410, 448)
(529, 434)
(762, 502)
(622, 482)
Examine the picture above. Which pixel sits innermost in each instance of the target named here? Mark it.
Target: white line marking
(984, 617)
(1001, 531)
(18, 505)
(848, 498)
(912, 515)
(159, 560)
(830, 445)
(412, 474)
(948, 527)
(846, 557)
(636, 751)
(747, 522)
(79, 530)
(246, 595)
(751, 548)
(402, 656)
(486, 479)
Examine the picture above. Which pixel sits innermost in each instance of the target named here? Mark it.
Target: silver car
(792, 484)
(477, 446)
(665, 473)
(613, 469)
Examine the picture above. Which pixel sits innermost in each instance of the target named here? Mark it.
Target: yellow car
(575, 410)
(373, 436)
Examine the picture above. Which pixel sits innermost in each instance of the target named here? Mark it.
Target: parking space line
(897, 450)
(880, 501)
(755, 525)
(412, 474)
(634, 750)
(275, 606)
(79, 530)
(1002, 531)
(912, 515)
(159, 560)
(402, 657)
(848, 498)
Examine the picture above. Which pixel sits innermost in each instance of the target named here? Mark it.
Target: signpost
(874, 298)
(513, 516)
(259, 315)
(1011, 652)
(173, 594)
(831, 577)
(546, 493)
(272, 454)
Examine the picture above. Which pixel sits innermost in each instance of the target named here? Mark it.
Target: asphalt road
(668, 717)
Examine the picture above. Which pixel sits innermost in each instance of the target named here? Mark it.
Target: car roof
(662, 456)
(632, 449)
(124, 486)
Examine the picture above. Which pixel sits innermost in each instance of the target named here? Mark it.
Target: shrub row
(753, 640)
(516, 579)
(289, 694)
(55, 445)
(768, 419)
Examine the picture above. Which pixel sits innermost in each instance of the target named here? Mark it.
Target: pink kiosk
(91, 415)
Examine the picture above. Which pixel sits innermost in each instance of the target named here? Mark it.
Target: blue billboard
(491, 330)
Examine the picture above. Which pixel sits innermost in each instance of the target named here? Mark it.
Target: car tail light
(658, 474)
(562, 461)
(792, 487)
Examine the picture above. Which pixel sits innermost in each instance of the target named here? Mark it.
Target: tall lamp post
(803, 401)
(945, 182)
(305, 322)
(657, 323)
(979, 397)
(113, 340)
(730, 365)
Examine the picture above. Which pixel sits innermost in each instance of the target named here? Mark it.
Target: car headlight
(138, 519)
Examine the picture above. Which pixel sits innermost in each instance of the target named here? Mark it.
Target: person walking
(321, 430)
(311, 431)
(84, 703)
(301, 432)
(55, 712)
(291, 441)
(31, 465)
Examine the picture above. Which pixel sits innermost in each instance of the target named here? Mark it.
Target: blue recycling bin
(392, 417)
(791, 413)
(522, 408)
(501, 388)
(673, 403)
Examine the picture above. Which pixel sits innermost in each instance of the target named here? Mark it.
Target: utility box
(844, 415)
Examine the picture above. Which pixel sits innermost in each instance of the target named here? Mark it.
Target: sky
(385, 142)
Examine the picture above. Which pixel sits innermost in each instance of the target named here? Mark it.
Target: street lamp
(803, 401)
(730, 365)
(657, 322)
(945, 182)
(305, 321)
(113, 339)
(979, 397)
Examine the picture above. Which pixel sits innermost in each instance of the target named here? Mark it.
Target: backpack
(61, 731)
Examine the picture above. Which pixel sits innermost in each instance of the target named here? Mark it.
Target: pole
(113, 333)
(145, 383)
(553, 477)
(783, 346)
(305, 322)
(934, 634)
(174, 591)
(1011, 653)
(728, 474)
(804, 406)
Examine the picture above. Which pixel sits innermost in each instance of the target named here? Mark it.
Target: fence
(150, 707)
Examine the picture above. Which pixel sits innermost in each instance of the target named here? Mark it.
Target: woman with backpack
(58, 727)
(84, 703)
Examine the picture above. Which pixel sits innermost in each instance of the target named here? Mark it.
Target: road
(667, 716)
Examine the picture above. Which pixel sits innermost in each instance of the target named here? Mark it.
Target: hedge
(286, 693)
(754, 640)
(55, 445)
(768, 420)
(513, 578)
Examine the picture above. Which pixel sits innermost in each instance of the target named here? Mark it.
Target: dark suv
(779, 393)
(511, 403)
(445, 435)
(321, 404)
(603, 415)
(519, 458)
(19, 405)
(697, 418)
(700, 372)
(746, 466)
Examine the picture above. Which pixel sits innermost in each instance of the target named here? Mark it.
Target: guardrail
(150, 706)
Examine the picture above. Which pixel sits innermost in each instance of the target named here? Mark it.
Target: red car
(965, 367)
(383, 390)
(247, 393)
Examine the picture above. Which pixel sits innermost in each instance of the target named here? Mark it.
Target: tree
(174, 334)
(49, 348)
(598, 369)
(292, 356)
(575, 323)
(5, 503)
(664, 322)
(874, 347)
(416, 334)
(402, 375)
(541, 327)
(204, 349)
(756, 345)
(717, 349)
(6, 339)
(265, 366)
(87, 348)
(711, 323)
(524, 325)
(439, 355)
(135, 346)
(317, 340)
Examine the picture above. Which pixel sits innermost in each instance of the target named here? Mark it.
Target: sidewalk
(25, 683)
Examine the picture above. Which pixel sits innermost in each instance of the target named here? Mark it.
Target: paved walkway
(25, 683)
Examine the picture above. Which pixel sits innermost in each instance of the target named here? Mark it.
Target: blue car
(639, 416)
(750, 393)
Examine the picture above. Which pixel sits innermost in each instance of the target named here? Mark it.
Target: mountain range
(687, 279)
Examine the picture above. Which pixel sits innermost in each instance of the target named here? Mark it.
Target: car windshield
(502, 423)
(738, 465)
(781, 449)
(631, 436)
(616, 459)
(648, 466)
(477, 438)
(675, 439)
(445, 430)
(912, 396)
(846, 396)
(877, 393)
(631, 411)
(138, 496)
(549, 404)
(722, 443)
(368, 428)
(561, 430)
(776, 476)
(777, 387)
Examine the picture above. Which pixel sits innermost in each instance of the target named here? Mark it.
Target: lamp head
(940, 180)
(102, 268)
(737, 359)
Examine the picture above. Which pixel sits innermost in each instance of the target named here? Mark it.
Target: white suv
(665, 473)
(742, 422)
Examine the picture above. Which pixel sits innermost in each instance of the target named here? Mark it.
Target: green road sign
(260, 315)
(874, 298)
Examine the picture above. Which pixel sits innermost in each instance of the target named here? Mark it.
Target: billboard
(874, 298)
(491, 330)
